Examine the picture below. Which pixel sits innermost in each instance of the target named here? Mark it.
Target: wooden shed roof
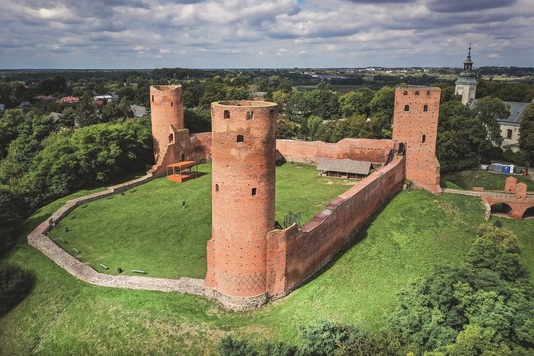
(343, 166)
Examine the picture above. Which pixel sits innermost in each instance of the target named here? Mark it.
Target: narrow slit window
(240, 138)
(152, 98)
(406, 107)
(171, 138)
(226, 114)
(423, 139)
(254, 192)
(171, 103)
(216, 187)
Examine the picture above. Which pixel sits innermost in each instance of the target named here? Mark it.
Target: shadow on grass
(356, 237)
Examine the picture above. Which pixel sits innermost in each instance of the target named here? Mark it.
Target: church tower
(466, 84)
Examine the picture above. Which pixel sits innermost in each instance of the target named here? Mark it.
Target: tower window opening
(171, 138)
(226, 114)
(250, 115)
(428, 92)
(425, 108)
(240, 138)
(152, 98)
(216, 187)
(405, 92)
(171, 103)
(423, 139)
(254, 192)
(417, 92)
(406, 107)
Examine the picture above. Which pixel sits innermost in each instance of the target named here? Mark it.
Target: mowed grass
(414, 231)
(478, 178)
(147, 228)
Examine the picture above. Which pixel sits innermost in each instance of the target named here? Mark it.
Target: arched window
(226, 114)
(406, 107)
(428, 92)
(425, 108)
(254, 190)
(405, 92)
(417, 92)
(423, 139)
(250, 115)
(216, 187)
(240, 138)
(171, 138)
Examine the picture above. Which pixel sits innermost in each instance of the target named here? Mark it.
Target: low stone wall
(38, 239)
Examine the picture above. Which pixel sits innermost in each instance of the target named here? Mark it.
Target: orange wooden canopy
(181, 171)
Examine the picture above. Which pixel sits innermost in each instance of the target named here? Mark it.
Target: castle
(249, 260)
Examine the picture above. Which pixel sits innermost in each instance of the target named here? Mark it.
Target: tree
(489, 110)
(462, 138)
(10, 217)
(9, 128)
(526, 134)
(485, 306)
(87, 112)
(383, 102)
(356, 102)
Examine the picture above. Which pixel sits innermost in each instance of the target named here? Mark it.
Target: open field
(414, 231)
(147, 229)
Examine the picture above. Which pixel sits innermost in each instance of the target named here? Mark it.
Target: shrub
(15, 284)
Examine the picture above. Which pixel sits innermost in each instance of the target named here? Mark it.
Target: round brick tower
(167, 112)
(243, 196)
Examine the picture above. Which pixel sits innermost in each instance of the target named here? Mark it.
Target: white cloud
(271, 33)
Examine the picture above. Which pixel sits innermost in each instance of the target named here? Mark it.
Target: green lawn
(146, 228)
(477, 178)
(414, 231)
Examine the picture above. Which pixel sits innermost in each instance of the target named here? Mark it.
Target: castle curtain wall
(375, 151)
(294, 255)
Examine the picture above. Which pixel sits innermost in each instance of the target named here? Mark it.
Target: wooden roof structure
(346, 166)
(181, 171)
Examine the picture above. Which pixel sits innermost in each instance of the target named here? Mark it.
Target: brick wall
(415, 124)
(167, 116)
(295, 254)
(243, 195)
(375, 151)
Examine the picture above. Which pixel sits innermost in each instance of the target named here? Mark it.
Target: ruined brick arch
(529, 213)
(501, 208)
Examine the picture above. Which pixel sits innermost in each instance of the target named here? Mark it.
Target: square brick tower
(415, 128)
(243, 198)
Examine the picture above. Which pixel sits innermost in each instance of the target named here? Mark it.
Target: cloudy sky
(264, 33)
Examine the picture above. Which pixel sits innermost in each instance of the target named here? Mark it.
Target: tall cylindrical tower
(167, 113)
(243, 195)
